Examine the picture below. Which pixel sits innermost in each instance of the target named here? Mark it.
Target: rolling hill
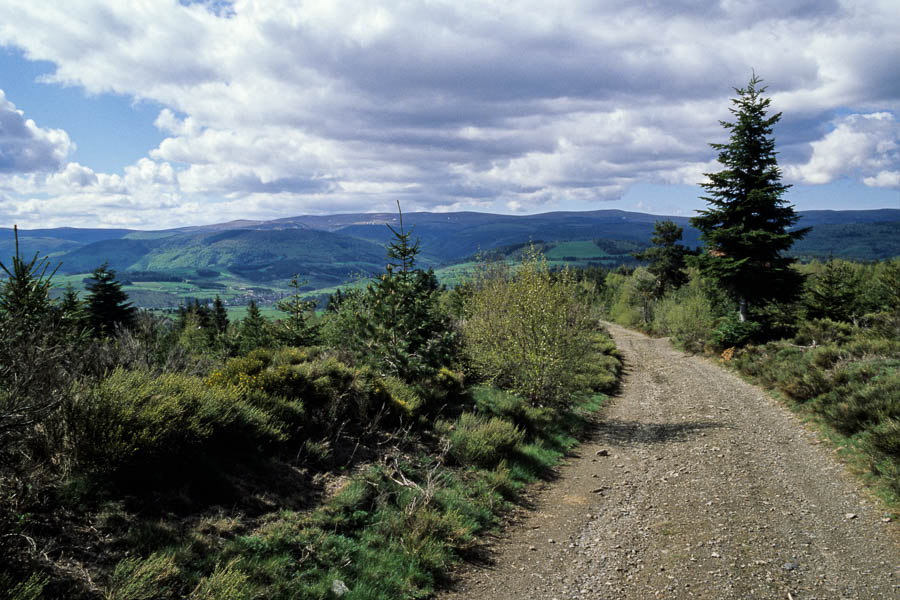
(230, 258)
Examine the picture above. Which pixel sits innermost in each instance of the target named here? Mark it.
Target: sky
(161, 113)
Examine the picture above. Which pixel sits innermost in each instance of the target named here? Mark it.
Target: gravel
(694, 485)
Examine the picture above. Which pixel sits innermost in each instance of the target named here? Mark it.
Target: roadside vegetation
(354, 453)
(825, 335)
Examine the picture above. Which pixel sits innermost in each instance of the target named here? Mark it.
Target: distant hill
(329, 249)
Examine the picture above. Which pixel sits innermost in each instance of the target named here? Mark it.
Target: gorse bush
(132, 418)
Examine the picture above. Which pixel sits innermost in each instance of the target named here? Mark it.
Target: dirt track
(710, 490)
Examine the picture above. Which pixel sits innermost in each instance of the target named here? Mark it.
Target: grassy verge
(285, 474)
(846, 380)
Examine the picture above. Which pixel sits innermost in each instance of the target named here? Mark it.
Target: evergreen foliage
(747, 227)
(254, 330)
(35, 355)
(834, 294)
(396, 325)
(298, 328)
(220, 316)
(25, 294)
(107, 304)
(666, 257)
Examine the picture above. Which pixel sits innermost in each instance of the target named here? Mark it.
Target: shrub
(481, 441)
(864, 394)
(731, 331)
(132, 418)
(492, 402)
(330, 392)
(686, 315)
(802, 381)
(401, 396)
(824, 331)
(528, 332)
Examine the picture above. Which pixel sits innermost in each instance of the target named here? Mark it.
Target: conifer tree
(834, 293)
(254, 330)
(747, 227)
(72, 315)
(666, 257)
(25, 294)
(107, 304)
(297, 329)
(219, 316)
(396, 324)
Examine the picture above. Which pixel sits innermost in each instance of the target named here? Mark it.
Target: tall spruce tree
(107, 304)
(747, 227)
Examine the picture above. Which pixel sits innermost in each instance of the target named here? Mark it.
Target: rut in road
(710, 490)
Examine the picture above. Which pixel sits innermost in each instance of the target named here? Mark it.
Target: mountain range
(328, 250)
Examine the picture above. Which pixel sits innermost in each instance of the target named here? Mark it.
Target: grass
(291, 492)
(849, 387)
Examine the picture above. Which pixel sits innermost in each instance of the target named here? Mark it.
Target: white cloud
(862, 146)
(25, 147)
(516, 106)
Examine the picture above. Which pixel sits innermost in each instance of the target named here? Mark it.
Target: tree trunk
(742, 308)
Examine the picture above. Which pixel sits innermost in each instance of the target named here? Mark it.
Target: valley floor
(695, 485)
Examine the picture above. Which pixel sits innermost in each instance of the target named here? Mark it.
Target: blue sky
(167, 113)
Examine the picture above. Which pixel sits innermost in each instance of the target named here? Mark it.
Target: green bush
(481, 441)
(802, 381)
(132, 417)
(824, 331)
(492, 402)
(731, 331)
(401, 396)
(527, 331)
(685, 315)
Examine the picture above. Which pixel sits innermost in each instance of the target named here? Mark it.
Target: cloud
(25, 147)
(478, 105)
(860, 146)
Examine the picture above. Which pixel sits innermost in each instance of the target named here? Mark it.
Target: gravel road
(695, 485)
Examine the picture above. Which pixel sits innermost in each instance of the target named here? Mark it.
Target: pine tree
(834, 293)
(666, 257)
(400, 330)
(36, 354)
(254, 330)
(72, 315)
(747, 227)
(219, 316)
(297, 329)
(107, 304)
(25, 294)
